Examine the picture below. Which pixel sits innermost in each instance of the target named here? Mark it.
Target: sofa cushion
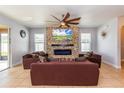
(88, 54)
(41, 58)
(93, 57)
(50, 59)
(41, 53)
(80, 59)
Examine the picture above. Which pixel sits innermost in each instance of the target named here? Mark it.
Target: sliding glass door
(4, 50)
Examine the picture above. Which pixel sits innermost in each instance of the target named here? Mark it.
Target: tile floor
(17, 77)
(3, 65)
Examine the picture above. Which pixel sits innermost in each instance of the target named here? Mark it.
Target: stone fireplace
(63, 49)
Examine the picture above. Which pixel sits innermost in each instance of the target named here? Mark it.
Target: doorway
(122, 47)
(4, 48)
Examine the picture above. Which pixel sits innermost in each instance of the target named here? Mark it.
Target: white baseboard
(18, 63)
(113, 65)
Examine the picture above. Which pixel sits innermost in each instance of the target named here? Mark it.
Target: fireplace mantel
(62, 45)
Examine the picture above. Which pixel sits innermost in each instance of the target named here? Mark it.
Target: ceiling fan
(66, 21)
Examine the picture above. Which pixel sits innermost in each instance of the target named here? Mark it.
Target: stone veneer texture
(74, 41)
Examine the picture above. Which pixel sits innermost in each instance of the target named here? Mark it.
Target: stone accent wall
(74, 41)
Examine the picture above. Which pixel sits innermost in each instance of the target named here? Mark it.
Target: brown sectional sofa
(65, 73)
(95, 58)
(28, 59)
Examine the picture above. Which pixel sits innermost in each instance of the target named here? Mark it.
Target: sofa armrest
(27, 56)
(96, 56)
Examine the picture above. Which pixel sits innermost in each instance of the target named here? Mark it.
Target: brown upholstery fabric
(95, 58)
(41, 53)
(28, 59)
(65, 73)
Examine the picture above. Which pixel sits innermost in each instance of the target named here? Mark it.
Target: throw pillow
(81, 59)
(41, 58)
(50, 59)
(42, 53)
(33, 55)
(88, 54)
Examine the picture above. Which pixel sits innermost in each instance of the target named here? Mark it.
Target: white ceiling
(37, 16)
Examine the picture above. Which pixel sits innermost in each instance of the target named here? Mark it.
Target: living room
(84, 51)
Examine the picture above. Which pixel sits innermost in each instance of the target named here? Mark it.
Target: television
(62, 34)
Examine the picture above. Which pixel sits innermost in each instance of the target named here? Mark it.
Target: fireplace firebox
(62, 52)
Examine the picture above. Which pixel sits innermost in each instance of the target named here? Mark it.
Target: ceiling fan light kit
(63, 23)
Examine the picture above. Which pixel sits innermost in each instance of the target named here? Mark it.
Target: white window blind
(39, 42)
(85, 42)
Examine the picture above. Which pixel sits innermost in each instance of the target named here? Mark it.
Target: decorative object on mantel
(66, 22)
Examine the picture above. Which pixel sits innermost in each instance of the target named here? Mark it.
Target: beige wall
(19, 46)
(108, 46)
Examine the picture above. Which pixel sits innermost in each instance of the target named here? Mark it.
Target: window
(39, 42)
(85, 42)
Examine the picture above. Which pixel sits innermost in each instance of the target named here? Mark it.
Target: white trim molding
(113, 65)
(17, 63)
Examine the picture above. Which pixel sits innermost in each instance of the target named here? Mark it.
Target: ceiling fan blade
(60, 26)
(66, 17)
(56, 18)
(74, 23)
(67, 25)
(75, 19)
